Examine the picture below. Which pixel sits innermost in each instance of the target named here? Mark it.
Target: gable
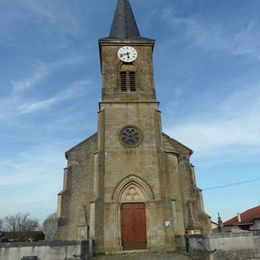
(172, 145)
(83, 144)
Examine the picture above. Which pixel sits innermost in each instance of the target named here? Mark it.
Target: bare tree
(1, 224)
(20, 222)
(50, 227)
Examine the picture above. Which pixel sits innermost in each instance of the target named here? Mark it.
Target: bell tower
(126, 60)
(129, 137)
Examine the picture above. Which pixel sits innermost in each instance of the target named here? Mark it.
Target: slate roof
(124, 26)
(177, 144)
(247, 217)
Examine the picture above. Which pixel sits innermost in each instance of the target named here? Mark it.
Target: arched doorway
(133, 194)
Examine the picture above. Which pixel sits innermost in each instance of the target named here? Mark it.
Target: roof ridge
(174, 140)
(254, 212)
(80, 143)
(244, 216)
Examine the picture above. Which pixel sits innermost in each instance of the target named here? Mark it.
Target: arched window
(128, 78)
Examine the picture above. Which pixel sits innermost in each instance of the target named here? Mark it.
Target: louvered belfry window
(132, 81)
(123, 81)
(128, 78)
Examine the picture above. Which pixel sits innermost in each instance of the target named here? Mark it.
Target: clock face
(127, 54)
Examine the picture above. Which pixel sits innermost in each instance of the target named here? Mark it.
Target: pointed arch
(133, 186)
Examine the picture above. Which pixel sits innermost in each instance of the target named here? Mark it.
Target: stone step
(143, 256)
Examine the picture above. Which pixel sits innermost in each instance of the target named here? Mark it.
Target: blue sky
(206, 64)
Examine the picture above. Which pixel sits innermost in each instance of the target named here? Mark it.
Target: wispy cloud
(23, 85)
(74, 90)
(228, 122)
(217, 136)
(42, 9)
(48, 11)
(43, 72)
(18, 102)
(236, 40)
(37, 166)
(63, 22)
(233, 127)
(23, 169)
(14, 106)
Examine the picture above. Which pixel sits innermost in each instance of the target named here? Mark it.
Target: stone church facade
(129, 186)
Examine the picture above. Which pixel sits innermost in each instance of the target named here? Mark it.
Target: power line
(231, 184)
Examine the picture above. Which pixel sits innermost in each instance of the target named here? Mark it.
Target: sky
(206, 66)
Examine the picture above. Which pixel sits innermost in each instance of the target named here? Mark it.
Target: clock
(127, 54)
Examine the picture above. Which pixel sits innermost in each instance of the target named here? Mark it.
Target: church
(129, 186)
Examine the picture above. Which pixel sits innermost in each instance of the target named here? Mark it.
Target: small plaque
(167, 223)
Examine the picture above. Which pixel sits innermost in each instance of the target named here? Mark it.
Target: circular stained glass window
(131, 136)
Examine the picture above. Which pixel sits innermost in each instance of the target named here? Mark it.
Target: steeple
(124, 26)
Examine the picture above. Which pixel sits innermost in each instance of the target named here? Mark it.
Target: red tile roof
(246, 217)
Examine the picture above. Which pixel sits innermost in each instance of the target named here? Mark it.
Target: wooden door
(133, 226)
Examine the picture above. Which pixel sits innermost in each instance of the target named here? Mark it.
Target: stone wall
(74, 199)
(56, 250)
(222, 246)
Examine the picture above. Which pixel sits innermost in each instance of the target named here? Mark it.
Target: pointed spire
(124, 26)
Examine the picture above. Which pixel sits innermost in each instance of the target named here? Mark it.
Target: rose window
(131, 136)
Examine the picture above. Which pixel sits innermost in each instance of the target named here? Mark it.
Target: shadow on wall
(30, 258)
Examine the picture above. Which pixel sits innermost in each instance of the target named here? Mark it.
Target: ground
(144, 256)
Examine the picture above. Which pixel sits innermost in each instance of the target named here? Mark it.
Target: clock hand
(123, 54)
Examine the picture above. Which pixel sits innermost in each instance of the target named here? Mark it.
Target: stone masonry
(103, 172)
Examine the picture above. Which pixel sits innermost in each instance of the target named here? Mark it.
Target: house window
(128, 78)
